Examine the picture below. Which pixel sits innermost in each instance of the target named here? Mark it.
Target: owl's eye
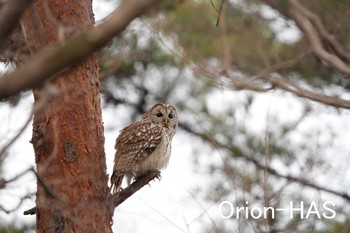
(170, 116)
(159, 114)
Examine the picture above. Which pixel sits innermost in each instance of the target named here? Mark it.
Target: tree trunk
(68, 135)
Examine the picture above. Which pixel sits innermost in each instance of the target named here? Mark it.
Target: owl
(144, 146)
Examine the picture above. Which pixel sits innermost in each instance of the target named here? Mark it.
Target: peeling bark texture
(68, 134)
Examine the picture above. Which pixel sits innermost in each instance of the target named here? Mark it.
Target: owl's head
(162, 114)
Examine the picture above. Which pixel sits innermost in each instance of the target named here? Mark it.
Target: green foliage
(245, 40)
(16, 229)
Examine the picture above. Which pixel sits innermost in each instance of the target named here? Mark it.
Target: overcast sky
(169, 205)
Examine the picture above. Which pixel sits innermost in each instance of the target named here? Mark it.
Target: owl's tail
(116, 182)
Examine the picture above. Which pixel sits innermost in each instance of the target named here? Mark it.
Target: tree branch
(51, 60)
(306, 21)
(270, 170)
(265, 78)
(300, 180)
(49, 92)
(10, 12)
(118, 198)
(283, 84)
(31, 211)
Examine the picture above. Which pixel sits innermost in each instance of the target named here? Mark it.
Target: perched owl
(145, 145)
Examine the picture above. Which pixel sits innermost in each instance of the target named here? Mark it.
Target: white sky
(170, 204)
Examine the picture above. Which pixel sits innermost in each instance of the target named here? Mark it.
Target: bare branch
(283, 84)
(31, 211)
(264, 76)
(281, 65)
(22, 199)
(51, 60)
(115, 199)
(327, 39)
(219, 12)
(42, 182)
(299, 180)
(47, 189)
(266, 168)
(10, 12)
(48, 93)
(301, 92)
(118, 198)
(3, 182)
(302, 17)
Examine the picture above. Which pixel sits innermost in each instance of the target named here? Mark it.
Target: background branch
(48, 93)
(285, 85)
(261, 166)
(302, 17)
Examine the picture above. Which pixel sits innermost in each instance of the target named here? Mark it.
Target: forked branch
(314, 31)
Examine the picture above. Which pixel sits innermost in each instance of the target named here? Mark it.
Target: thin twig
(219, 13)
(29, 195)
(267, 155)
(299, 180)
(280, 65)
(19, 133)
(3, 182)
(270, 170)
(213, 5)
(49, 92)
(44, 185)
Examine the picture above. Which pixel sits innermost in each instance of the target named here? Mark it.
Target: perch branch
(118, 198)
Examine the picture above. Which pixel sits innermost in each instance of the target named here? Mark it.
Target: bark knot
(59, 222)
(70, 152)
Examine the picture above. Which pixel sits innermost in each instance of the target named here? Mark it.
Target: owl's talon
(157, 175)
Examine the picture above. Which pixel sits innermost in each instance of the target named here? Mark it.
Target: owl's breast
(158, 160)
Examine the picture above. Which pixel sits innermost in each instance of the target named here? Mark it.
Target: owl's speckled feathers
(145, 145)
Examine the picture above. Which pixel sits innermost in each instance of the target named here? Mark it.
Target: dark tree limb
(31, 211)
(49, 61)
(10, 13)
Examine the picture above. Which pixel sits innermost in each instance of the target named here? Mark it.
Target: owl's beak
(166, 121)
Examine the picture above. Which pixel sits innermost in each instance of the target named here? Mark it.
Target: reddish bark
(68, 135)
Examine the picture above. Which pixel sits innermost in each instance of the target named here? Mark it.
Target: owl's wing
(136, 142)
